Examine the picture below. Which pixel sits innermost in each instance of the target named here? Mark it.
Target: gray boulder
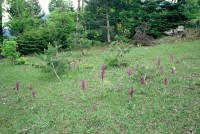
(180, 29)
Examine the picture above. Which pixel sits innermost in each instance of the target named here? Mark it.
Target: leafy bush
(33, 41)
(94, 35)
(116, 61)
(112, 61)
(9, 49)
(122, 39)
(36, 65)
(96, 43)
(120, 51)
(21, 61)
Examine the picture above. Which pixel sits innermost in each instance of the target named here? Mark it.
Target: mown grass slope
(63, 107)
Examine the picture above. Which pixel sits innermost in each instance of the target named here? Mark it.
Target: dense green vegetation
(100, 21)
(50, 106)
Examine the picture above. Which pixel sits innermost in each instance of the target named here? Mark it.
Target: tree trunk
(108, 22)
(1, 28)
(83, 18)
(82, 6)
(78, 17)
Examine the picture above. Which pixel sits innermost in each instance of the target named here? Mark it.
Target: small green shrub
(36, 65)
(96, 43)
(9, 50)
(112, 61)
(21, 61)
(116, 61)
(94, 35)
(197, 82)
(122, 39)
(120, 49)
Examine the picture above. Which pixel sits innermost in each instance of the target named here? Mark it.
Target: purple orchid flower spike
(142, 81)
(129, 72)
(33, 93)
(131, 91)
(83, 84)
(165, 81)
(17, 85)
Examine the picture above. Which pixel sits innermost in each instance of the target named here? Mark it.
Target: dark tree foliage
(25, 15)
(100, 21)
(61, 5)
(55, 28)
(126, 15)
(34, 41)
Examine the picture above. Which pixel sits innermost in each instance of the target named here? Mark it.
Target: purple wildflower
(131, 91)
(171, 57)
(165, 81)
(129, 72)
(33, 93)
(121, 87)
(30, 87)
(83, 84)
(142, 81)
(158, 62)
(17, 85)
(103, 71)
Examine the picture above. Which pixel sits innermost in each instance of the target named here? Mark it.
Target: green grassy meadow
(63, 107)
